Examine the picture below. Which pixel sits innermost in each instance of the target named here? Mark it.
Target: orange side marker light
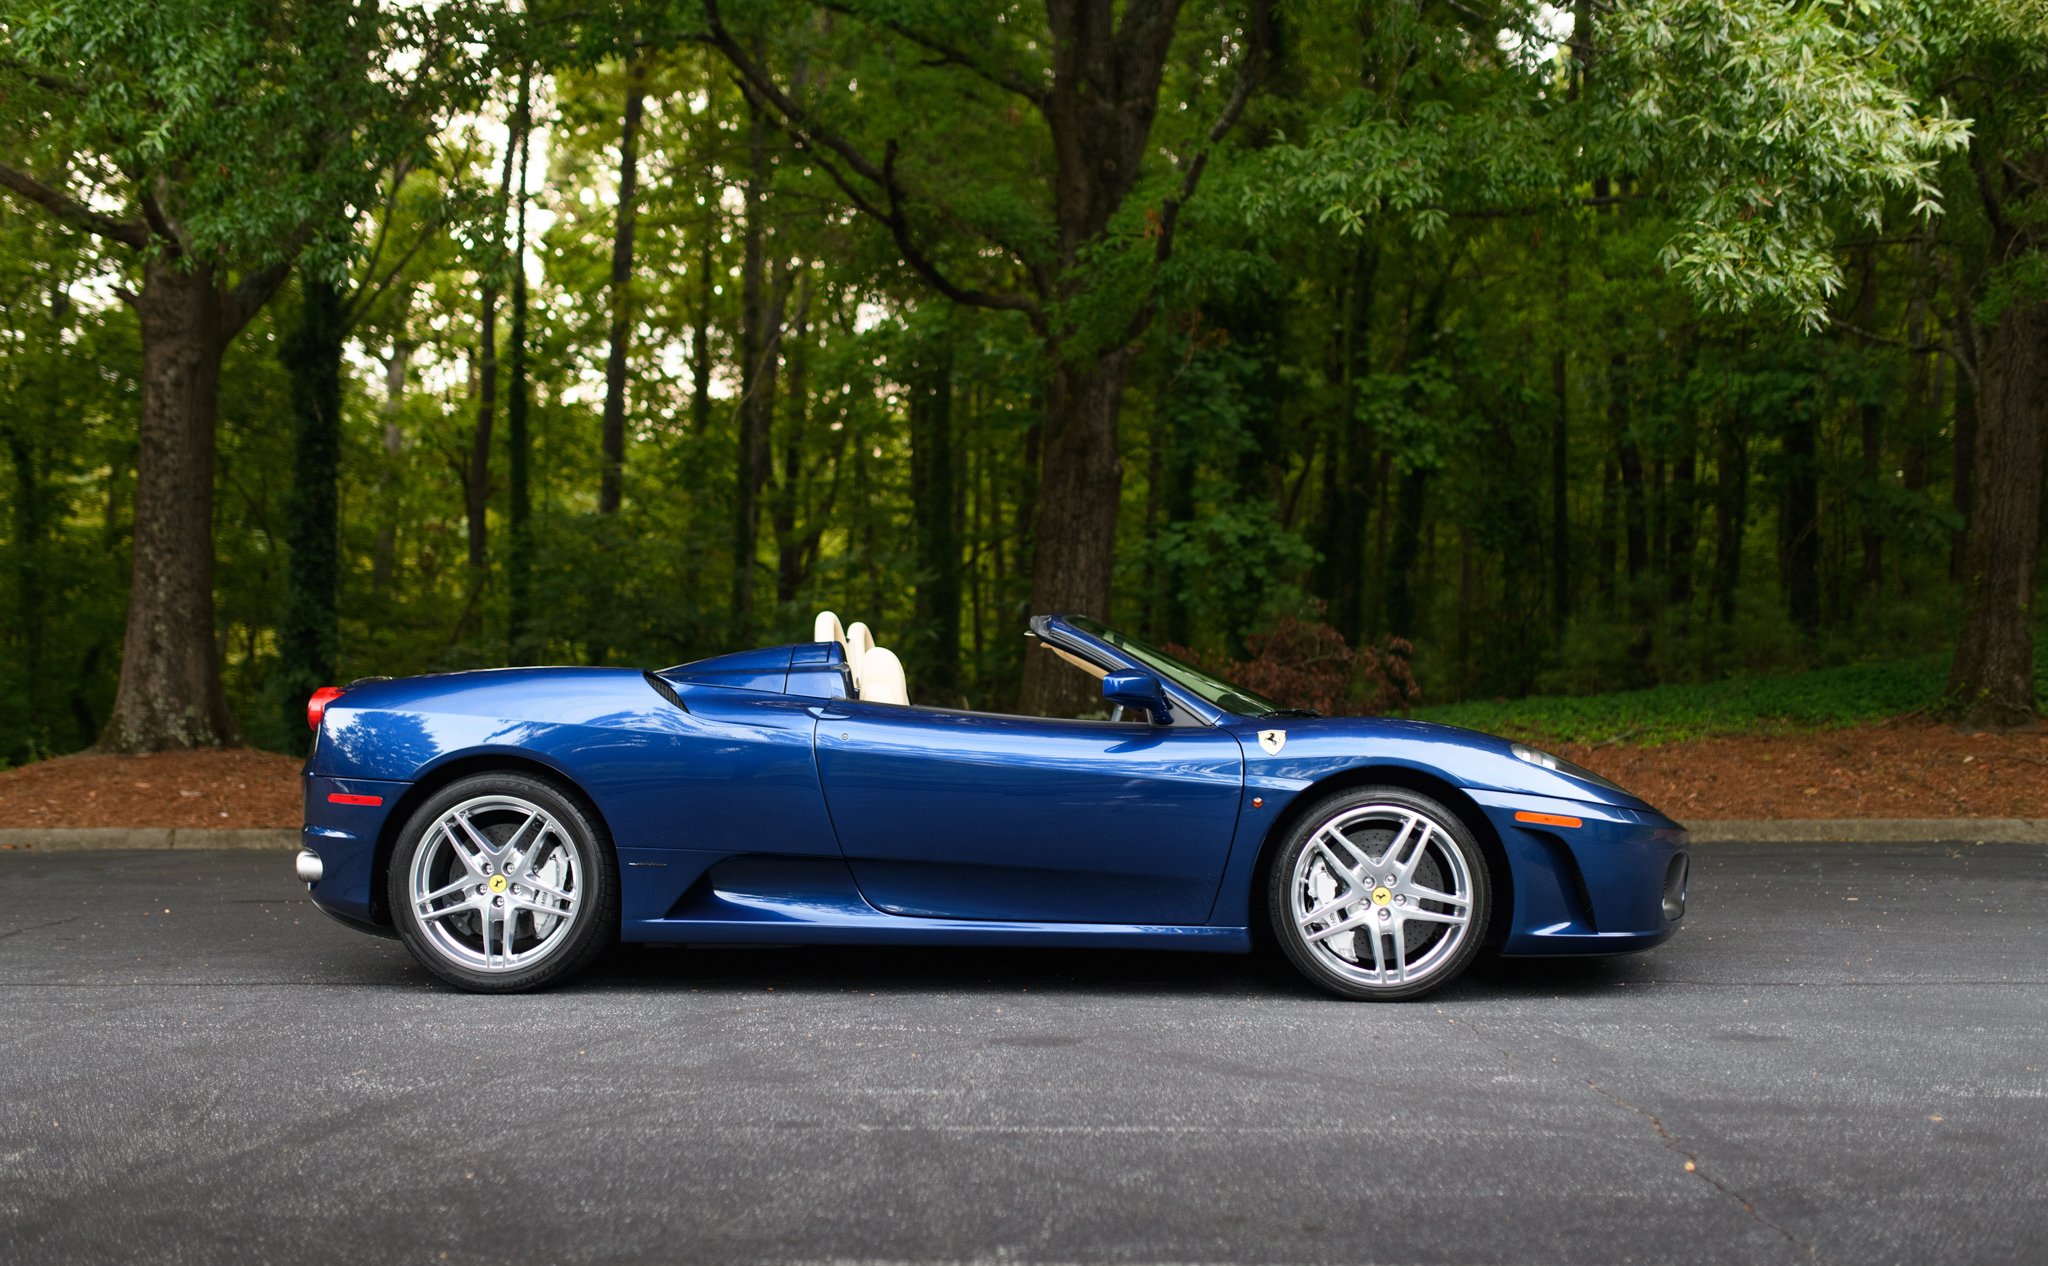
(1546, 819)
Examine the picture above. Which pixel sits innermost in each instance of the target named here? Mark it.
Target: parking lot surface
(1842, 1058)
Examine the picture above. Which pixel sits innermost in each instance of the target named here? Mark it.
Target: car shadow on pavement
(921, 971)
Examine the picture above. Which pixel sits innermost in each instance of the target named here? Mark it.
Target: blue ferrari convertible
(507, 825)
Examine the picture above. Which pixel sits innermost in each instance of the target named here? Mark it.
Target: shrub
(1307, 664)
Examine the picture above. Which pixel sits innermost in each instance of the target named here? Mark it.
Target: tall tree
(518, 408)
(937, 613)
(613, 437)
(308, 636)
(208, 134)
(1998, 54)
(497, 258)
(1092, 77)
(760, 353)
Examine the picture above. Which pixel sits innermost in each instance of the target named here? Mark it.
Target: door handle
(826, 712)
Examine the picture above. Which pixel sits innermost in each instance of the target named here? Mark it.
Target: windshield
(1214, 690)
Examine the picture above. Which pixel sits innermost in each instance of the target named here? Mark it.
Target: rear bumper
(1614, 884)
(343, 839)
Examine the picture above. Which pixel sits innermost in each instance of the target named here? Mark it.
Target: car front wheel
(1379, 893)
(502, 883)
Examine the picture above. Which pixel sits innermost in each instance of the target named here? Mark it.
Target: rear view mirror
(1138, 692)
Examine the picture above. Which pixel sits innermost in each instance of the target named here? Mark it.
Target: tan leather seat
(859, 642)
(827, 628)
(882, 679)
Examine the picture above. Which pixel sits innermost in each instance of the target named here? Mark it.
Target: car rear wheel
(1379, 893)
(502, 883)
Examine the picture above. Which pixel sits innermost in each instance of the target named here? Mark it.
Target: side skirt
(675, 896)
(892, 929)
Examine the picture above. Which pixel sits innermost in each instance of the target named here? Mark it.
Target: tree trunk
(309, 640)
(1074, 528)
(1603, 538)
(937, 663)
(700, 332)
(1099, 107)
(170, 692)
(477, 487)
(1402, 613)
(1992, 679)
(1560, 514)
(1965, 490)
(518, 434)
(757, 353)
(1349, 481)
(30, 612)
(792, 550)
(1871, 442)
(1731, 513)
(384, 552)
(1683, 523)
(1799, 528)
(1628, 456)
(614, 438)
(1177, 507)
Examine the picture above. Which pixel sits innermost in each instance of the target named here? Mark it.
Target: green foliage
(1441, 276)
(222, 117)
(1769, 122)
(1771, 703)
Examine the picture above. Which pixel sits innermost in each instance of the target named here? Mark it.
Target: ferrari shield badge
(1272, 741)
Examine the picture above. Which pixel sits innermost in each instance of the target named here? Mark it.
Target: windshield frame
(1219, 695)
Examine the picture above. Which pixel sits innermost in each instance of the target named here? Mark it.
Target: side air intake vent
(666, 691)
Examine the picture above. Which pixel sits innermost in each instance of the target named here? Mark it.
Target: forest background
(1376, 352)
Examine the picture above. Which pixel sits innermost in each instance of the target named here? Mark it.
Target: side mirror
(1138, 692)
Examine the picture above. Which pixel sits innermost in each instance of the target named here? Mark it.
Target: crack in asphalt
(38, 926)
(1693, 1167)
(1692, 1161)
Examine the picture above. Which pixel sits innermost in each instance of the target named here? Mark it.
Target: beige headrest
(882, 678)
(826, 628)
(858, 643)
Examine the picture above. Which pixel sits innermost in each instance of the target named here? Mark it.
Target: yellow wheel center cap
(498, 884)
(1381, 896)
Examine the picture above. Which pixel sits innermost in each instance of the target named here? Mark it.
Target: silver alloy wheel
(1382, 895)
(496, 883)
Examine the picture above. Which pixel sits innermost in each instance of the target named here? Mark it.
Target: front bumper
(1615, 883)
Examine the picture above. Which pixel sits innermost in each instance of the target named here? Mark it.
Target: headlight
(1557, 764)
(1533, 756)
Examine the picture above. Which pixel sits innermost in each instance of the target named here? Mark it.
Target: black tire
(1447, 850)
(590, 929)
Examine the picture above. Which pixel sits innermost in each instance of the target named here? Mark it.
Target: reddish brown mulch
(1904, 769)
(1900, 770)
(236, 787)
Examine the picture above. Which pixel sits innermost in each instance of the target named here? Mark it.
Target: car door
(968, 815)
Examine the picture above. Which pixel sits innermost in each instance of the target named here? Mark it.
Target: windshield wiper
(1289, 712)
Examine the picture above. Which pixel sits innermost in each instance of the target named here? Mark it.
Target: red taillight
(316, 707)
(343, 797)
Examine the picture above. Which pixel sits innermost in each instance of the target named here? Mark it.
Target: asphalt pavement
(1842, 1058)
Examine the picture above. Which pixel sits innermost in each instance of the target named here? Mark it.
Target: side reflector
(342, 797)
(1545, 819)
(316, 707)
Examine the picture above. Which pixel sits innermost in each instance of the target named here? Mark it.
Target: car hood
(1467, 758)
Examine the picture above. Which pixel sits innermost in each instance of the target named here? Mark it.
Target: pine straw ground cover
(1902, 769)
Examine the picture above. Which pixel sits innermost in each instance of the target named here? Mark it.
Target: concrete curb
(1720, 831)
(77, 840)
(1872, 831)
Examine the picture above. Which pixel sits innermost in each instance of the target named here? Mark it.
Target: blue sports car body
(754, 798)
